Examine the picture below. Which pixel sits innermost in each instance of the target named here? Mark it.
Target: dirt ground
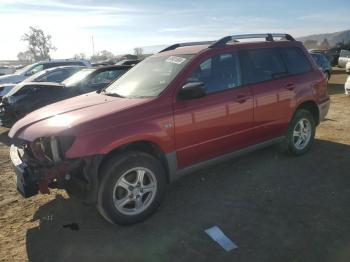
(274, 207)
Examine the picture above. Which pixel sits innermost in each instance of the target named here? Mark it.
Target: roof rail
(174, 46)
(268, 37)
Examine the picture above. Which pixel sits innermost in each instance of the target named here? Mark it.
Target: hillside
(333, 38)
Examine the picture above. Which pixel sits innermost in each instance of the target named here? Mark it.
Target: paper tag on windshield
(176, 60)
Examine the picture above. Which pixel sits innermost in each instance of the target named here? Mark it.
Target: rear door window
(259, 65)
(296, 61)
(218, 73)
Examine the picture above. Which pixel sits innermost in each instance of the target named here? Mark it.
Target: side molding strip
(174, 173)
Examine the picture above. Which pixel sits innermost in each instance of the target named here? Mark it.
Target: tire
(136, 199)
(303, 123)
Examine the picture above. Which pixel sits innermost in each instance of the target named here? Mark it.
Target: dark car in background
(56, 75)
(32, 69)
(323, 63)
(130, 62)
(33, 95)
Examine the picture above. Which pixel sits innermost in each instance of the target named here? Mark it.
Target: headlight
(51, 148)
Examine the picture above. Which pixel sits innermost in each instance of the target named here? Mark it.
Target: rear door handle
(290, 86)
(241, 98)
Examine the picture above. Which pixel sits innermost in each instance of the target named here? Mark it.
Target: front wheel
(301, 132)
(131, 189)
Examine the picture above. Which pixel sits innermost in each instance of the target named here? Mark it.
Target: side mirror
(192, 90)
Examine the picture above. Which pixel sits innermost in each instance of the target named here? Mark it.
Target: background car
(130, 62)
(30, 70)
(33, 95)
(344, 57)
(56, 75)
(347, 86)
(347, 67)
(323, 63)
(5, 70)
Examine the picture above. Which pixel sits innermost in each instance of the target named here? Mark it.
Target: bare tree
(102, 56)
(25, 56)
(39, 44)
(325, 44)
(80, 56)
(311, 44)
(138, 51)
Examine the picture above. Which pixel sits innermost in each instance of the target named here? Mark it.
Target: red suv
(188, 106)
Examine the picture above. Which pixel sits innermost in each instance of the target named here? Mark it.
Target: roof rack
(232, 38)
(268, 37)
(174, 46)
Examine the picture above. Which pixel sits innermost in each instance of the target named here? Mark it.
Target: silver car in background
(344, 58)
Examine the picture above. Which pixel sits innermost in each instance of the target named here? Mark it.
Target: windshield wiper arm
(111, 94)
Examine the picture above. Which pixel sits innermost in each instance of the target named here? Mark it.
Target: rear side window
(218, 73)
(296, 60)
(259, 65)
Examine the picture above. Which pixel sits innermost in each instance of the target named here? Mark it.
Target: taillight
(320, 88)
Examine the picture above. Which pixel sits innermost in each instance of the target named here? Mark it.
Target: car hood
(5, 88)
(25, 84)
(70, 117)
(9, 78)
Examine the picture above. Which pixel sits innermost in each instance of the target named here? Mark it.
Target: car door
(219, 122)
(264, 71)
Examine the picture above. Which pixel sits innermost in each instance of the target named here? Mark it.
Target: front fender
(104, 142)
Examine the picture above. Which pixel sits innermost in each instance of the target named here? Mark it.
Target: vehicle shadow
(273, 206)
(334, 89)
(4, 138)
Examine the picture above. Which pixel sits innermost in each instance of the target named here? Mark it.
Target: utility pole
(93, 45)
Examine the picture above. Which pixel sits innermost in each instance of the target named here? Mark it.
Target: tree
(25, 56)
(80, 56)
(324, 44)
(39, 44)
(138, 51)
(311, 44)
(102, 56)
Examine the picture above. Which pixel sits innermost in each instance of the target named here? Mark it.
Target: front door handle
(290, 86)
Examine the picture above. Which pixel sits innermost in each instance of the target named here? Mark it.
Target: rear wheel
(131, 189)
(301, 132)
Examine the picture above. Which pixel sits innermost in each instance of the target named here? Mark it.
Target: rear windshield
(148, 78)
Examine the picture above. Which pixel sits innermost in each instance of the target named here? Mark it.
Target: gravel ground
(274, 207)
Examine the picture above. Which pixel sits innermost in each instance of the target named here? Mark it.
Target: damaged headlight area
(51, 149)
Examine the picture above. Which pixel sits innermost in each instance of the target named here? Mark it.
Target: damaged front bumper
(26, 183)
(76, 176)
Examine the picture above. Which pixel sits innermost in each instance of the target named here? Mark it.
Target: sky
(119, 26)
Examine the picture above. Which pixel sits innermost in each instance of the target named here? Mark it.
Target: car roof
(63, 60)
(111, 67)
(228, 42)
(66, 66)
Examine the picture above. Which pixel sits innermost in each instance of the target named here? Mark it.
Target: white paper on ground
(218, 236)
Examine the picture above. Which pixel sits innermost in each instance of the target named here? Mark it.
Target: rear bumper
(323, 109)
(25, 181)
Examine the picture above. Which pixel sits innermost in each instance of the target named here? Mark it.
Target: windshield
(77, 77)
(148, 78)
(25, 69)
(34, 77)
